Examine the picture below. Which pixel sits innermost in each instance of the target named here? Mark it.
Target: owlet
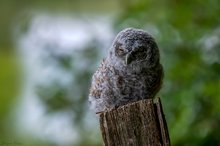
(130, 72)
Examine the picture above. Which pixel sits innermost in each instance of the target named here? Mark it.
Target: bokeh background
(49, 50)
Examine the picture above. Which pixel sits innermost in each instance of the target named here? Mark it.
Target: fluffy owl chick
(130, 72)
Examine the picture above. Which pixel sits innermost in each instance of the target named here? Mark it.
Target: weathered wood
(140, 123)
(162, 123)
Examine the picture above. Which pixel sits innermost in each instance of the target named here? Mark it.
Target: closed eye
(140, 55)
(141, 49)
(120, 51)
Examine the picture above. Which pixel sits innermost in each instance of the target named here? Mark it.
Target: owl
(130, 72)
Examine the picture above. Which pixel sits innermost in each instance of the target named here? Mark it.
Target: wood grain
(140, 123)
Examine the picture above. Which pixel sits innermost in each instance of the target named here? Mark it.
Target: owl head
(134, 48)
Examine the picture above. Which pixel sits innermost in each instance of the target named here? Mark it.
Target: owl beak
(128, 59)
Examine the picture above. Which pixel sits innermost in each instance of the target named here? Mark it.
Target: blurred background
(50, 49)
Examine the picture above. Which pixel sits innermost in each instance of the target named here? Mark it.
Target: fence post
(141, 123)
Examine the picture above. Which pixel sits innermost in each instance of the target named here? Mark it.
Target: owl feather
(130, 72)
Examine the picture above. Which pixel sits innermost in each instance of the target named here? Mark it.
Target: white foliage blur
(210, 44)
(48, 41)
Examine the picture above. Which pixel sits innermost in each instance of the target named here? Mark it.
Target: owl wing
(155, 83)
(101, 95)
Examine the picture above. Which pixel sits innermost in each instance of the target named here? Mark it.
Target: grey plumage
(130, 72)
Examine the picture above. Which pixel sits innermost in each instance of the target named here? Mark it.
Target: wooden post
(140, 123)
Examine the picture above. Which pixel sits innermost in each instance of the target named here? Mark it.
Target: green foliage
(8, 89)
(188, 34)
(191, 86)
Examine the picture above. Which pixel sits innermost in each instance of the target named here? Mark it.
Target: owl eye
(120, 51)
(141, 49)
(140, 55)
